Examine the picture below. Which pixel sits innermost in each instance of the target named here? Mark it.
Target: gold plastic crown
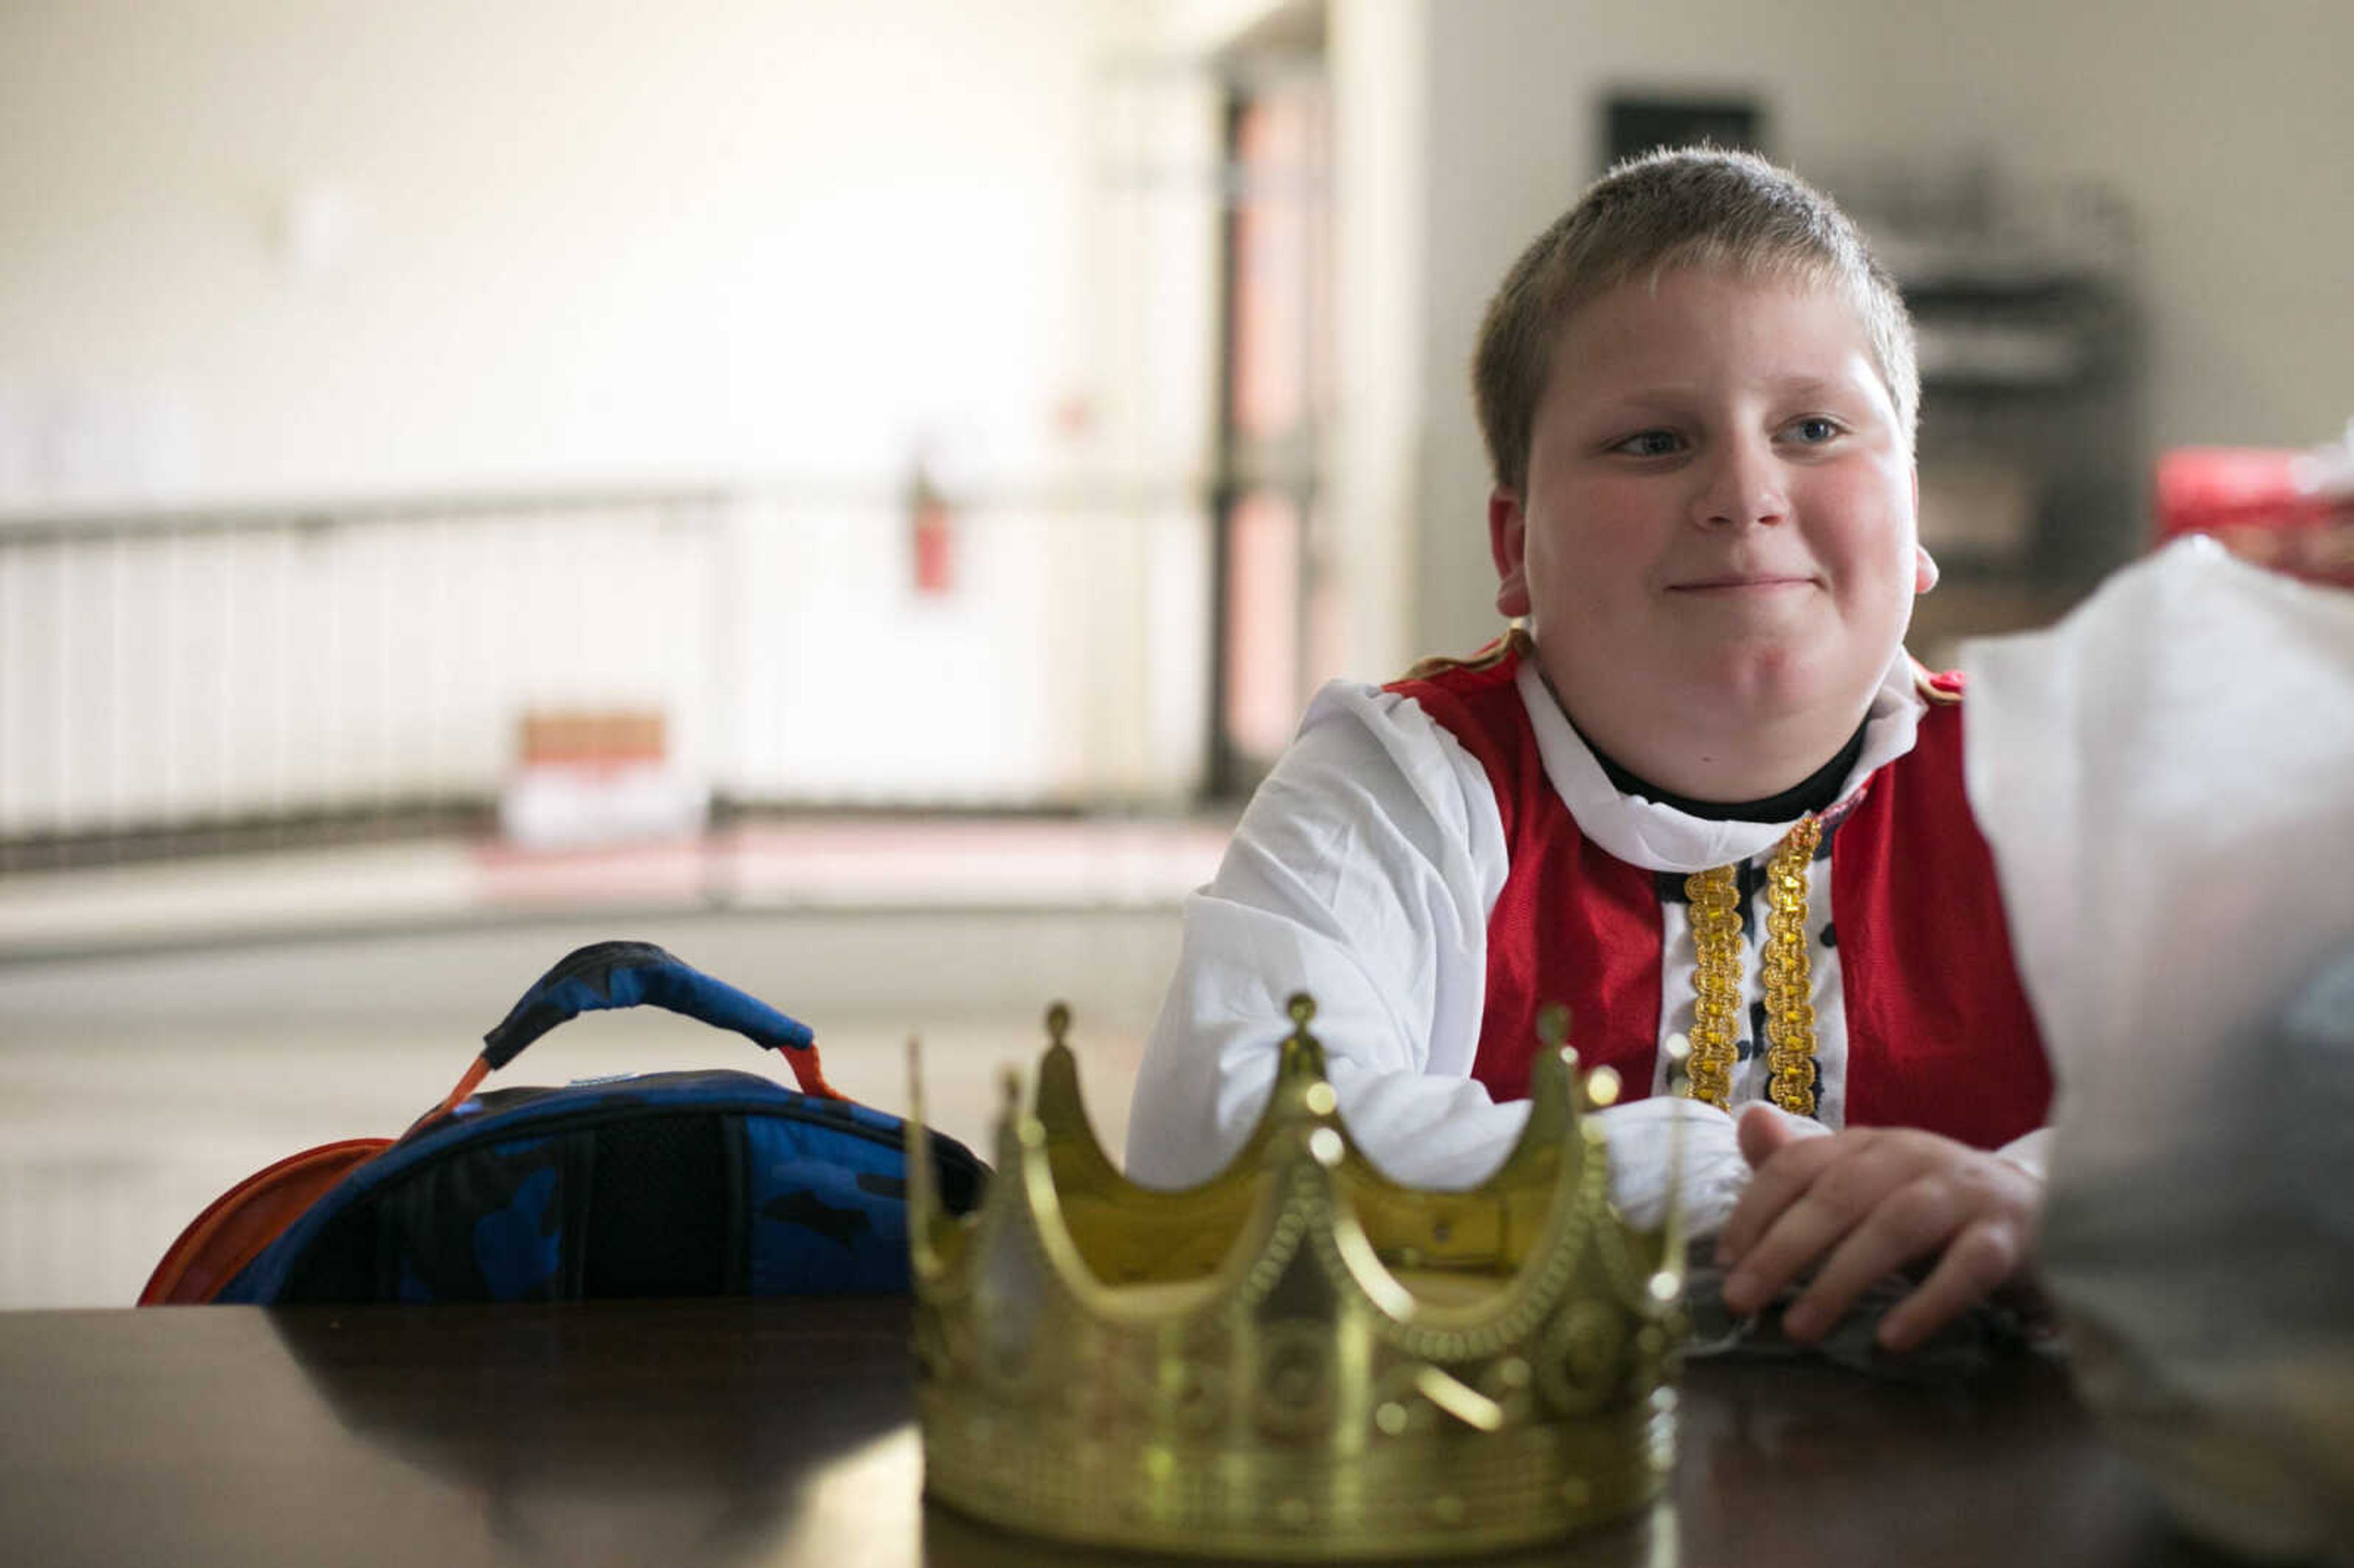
(1300, 1358)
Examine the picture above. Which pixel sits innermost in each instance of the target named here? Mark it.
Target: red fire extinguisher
(931, 531)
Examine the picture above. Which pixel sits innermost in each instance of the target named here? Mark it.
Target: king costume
(1436, 860)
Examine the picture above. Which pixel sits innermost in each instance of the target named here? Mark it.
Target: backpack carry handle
(606, 975)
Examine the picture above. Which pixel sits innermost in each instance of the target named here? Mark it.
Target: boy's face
(1718, 530)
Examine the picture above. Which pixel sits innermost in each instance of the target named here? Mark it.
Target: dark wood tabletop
(783, 1432)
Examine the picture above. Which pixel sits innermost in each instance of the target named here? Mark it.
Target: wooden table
(745, 1432)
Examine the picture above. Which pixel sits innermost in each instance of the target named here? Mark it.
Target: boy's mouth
(1742, 582)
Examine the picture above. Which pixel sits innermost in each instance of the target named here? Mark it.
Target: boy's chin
(1738, 677)
(1767, 680)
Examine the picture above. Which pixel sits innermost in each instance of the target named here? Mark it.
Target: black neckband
(1812, 794)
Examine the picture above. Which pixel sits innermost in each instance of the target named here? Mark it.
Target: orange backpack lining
(236, 1226)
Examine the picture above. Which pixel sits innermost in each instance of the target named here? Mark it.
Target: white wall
(261, 251)
(553, 242)
(1375, 53)
(790, 238)
(2225, 130)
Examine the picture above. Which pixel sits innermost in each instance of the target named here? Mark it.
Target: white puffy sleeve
(1363, 872)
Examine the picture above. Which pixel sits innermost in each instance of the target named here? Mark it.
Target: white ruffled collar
(1661, 838)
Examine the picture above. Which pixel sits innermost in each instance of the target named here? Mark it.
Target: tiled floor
(157, 1044)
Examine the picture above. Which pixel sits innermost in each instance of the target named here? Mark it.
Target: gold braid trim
(1716, 983)
(1787, 977)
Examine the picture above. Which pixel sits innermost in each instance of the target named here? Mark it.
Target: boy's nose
(1741, 483)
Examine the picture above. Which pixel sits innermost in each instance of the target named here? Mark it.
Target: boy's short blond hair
(1688, 207)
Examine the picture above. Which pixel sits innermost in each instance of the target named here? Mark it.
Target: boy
(1704, 791)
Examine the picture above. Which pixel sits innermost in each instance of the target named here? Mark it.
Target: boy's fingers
(1761, 1133)
(1986, 1253)
(1794, 1173)
(1910, 1223)
(1805, 1230)
(1864, 1206)
(1779, 1183)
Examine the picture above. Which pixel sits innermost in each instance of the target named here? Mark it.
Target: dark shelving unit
(2033, 450)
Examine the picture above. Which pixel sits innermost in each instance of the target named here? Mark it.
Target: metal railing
(179, 681)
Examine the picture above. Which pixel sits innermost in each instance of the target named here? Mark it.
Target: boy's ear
(1924, 566)
(1508, 542)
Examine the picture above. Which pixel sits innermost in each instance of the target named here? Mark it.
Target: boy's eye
(1649, 443)
(1814, 431)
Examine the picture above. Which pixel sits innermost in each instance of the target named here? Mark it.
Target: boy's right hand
(1864, 1202)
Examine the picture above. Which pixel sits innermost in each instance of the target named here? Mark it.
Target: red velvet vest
(1939, 1033)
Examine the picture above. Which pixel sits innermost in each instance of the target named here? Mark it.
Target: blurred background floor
(167, 1030)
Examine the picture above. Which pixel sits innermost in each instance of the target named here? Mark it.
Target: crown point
(1058, 1021)
(1009, 1088)
(1552, 1024)
(1302, 1008)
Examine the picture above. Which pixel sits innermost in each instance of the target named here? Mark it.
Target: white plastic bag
(2167, 782)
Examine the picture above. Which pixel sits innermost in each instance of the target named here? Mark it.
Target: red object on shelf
(2262, 505)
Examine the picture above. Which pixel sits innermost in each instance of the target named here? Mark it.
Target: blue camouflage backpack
(715, 1182)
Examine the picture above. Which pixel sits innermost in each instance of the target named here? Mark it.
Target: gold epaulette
(1515, 639)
